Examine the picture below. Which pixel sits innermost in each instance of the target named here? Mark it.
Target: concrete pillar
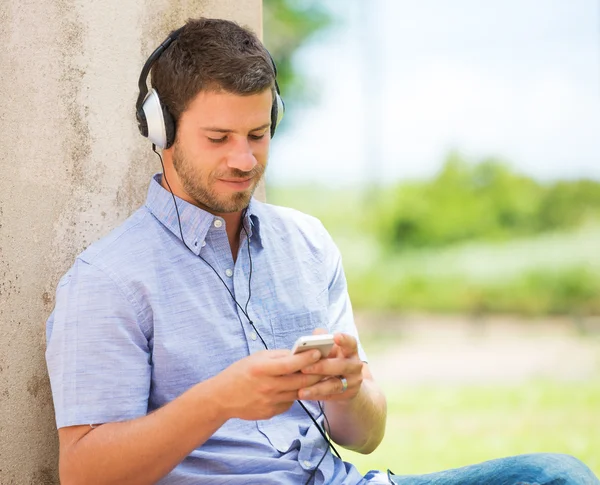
(73, 167)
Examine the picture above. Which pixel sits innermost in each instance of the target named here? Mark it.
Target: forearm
(143, 450)
(359, 424)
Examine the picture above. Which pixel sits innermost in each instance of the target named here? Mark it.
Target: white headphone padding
(280, 109)
(157, 132)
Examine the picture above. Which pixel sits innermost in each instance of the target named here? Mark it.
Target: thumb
(347, 344)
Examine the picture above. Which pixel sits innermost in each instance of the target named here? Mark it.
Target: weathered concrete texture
(74, 166)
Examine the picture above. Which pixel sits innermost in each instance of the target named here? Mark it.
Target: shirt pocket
(287, 328)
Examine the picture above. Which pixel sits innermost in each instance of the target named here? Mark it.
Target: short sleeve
(98, 357)
(340, 315)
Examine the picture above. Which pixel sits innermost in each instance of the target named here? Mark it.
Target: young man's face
(221, 149)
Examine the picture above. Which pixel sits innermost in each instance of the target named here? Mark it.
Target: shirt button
(218, 223)
(306, 463)
(253, 335)
(228, 272)
(203, 243)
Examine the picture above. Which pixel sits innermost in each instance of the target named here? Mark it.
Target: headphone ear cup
(156, 124)
(274, 110)
(141, 120)
(277, 111)
(169, 126)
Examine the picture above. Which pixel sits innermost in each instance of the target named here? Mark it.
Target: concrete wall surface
(73, 167)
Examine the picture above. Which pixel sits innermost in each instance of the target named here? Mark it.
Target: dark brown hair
(214, 55)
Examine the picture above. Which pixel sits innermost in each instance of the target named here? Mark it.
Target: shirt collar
(195, 222)
(252, 221)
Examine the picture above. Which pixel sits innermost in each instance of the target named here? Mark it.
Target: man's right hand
(264, 384)
(145, 449)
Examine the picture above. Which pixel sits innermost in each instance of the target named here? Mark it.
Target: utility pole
(372, 81)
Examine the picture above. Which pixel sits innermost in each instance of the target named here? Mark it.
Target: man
(168, 348)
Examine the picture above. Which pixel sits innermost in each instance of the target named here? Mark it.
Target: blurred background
(452, 149)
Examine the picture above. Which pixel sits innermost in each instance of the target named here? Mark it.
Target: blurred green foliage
(484, 201)
(574, 291)
(287, 25)
(477, 238)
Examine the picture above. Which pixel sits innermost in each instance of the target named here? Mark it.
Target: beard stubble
(199, 185)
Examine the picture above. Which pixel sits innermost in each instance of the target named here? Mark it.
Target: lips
(237, 184)
(236, 181)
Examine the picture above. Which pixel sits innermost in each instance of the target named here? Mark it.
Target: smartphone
(323, 343)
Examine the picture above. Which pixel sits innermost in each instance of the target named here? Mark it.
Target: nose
(241, 157)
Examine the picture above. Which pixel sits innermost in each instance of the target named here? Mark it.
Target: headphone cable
(244, 311)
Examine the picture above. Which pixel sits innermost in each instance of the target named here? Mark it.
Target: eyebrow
(225, 130)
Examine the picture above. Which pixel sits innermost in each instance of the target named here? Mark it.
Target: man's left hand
(341, 363)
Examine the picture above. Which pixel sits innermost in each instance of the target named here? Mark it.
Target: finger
(287, 396)
(333, 352)
(332, 387)
(334, 367)
(319, 331)
(346, 343)
(275, 354)
(293, 382)
(290, 363)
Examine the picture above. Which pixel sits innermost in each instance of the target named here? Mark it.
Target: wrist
(211, 397)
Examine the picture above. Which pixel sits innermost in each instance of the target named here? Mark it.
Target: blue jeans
(531, 469)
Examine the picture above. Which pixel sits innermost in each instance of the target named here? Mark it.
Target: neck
(233, 220)
(233, 225)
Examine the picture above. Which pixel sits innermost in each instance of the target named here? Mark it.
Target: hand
(342, 361)
(264, 384)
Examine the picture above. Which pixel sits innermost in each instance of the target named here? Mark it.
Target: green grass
(435, 428)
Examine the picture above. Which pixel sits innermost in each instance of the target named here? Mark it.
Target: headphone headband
(142, 85)
(154, 119)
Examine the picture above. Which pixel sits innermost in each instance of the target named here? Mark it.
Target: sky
(401, 83)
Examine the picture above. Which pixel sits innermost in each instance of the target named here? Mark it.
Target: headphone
(153, 117)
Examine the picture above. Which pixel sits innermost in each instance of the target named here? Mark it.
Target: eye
(256, 137)
(218, 140)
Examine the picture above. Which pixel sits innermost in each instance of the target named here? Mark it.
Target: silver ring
(344, 383)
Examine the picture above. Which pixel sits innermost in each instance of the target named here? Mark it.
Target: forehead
(222, 107)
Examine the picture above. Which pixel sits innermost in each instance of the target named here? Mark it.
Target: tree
(288, 24)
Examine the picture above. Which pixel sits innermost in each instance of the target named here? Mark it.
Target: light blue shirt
(140, 319)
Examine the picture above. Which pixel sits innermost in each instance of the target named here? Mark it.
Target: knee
(560, 469)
